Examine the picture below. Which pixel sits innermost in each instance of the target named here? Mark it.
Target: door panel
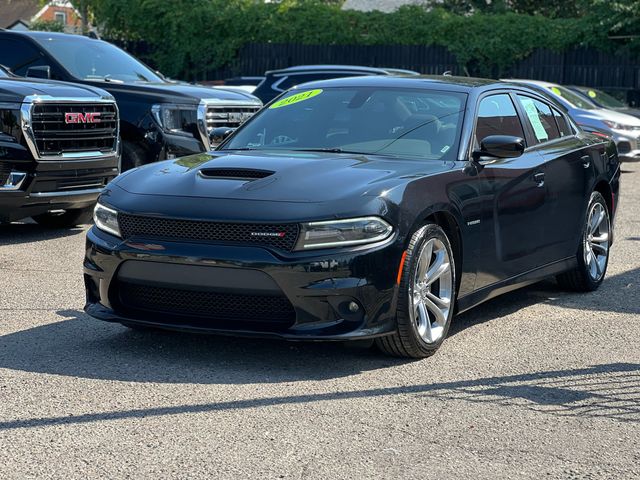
(513, 214)
(514, 217)
(570, 178)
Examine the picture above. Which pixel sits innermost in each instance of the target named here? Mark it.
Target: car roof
(40, 35)
(412, 81)
(538, 83)
(339, 68)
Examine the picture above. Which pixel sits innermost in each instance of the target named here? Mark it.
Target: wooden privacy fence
(581, 66)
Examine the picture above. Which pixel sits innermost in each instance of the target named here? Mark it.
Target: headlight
(106, 219)
(179, 119)
(617, 126)
(342, 233)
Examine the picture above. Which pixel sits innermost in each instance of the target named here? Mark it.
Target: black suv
(278, 81)
(58, 149)
(160, 119)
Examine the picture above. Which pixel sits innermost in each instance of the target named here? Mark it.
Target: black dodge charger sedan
(372, 207)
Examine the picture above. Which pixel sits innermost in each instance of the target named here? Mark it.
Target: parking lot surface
(538, 383)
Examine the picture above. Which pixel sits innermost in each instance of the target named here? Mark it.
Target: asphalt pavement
(538, 383)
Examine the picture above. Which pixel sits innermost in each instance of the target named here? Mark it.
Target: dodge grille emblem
(78, 117)
(268, 234)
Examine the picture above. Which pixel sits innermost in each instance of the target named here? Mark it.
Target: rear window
(540, 118)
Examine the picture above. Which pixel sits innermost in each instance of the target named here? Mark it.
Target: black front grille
(206, 308)
(5, 170)
(282, 236)
(67, 128)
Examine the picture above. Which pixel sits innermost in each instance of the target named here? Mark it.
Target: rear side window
(497, 116)
(563, 124)
(540, 118)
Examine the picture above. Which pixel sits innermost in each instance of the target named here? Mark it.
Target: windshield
(574, 99)
(603, 99)
(423, 124)
(3, 73)
(96, 60)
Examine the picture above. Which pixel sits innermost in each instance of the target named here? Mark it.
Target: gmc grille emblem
(78, 117)
(268, 234)
(239, 117)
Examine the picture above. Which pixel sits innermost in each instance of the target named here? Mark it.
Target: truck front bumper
(27, 191)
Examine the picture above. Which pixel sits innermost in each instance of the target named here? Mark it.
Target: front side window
(421, 124)
(497, 116)
(88, 59)
(540, 118)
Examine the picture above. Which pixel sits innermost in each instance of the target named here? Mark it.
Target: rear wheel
(66, 218)
(593, 251)
(426, 296)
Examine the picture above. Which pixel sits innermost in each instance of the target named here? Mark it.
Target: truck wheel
(593, 251)
(132, 156)
(66, 219)
(426, 296)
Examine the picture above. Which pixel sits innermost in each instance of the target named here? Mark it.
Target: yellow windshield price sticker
(298, 97)
(592, 94)
(557, 91)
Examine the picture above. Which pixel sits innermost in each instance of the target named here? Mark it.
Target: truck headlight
(177, 119)
(342, 233)
(106, 219)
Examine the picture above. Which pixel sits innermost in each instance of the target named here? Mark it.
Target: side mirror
(495, 146)
(43, 71)
(219, 135)
(500, 146)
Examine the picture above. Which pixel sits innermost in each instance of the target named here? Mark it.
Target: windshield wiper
(328, 150)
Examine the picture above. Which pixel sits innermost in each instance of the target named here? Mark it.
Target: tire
(415, 337)
(67, 219)
(132, 156)
(593, 251)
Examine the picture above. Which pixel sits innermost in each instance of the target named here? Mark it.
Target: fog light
(353, 307)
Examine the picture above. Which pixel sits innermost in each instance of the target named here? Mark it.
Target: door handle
(586, 161)
(539, 179)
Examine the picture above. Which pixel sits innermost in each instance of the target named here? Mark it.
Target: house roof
(12, 11)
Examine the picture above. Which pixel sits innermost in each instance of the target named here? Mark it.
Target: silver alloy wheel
(431, 291)
(596, 241)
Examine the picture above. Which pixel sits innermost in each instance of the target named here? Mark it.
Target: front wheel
(593, 251)
(426, 296)
(66, 219)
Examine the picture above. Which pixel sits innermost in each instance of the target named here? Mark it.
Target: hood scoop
(246, 174)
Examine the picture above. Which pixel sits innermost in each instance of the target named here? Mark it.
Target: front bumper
(319, 287)
(54, 185)
(628, 145)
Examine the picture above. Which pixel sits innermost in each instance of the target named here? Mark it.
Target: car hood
(287, 176)
(611, 115)
(635, 112)
(16, 89)
(174, 92)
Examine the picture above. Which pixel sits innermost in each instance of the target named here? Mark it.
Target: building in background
(385, 5)
(21, 14)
